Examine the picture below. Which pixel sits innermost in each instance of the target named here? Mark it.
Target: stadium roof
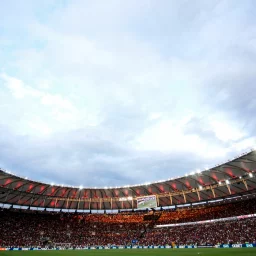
(235, 177)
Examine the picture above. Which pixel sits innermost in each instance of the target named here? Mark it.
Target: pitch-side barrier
(136, 247)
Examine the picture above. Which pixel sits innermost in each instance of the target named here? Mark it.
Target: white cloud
(18, 89)
(54, 107)
(130, 79)
(168, 135)
(39, 127)
(226, 131)
(155, 115)
(56, 100)
(244, 144)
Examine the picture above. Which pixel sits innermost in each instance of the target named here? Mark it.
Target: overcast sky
(107, 93)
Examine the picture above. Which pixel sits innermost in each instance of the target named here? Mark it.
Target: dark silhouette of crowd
(26, 228)
(208, 212)
(242, 231)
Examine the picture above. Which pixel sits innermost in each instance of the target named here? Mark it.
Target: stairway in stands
(153, 218)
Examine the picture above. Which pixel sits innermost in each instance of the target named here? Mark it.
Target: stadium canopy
(230, 179)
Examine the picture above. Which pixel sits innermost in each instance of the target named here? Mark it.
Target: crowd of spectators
(242, 231)
(208, 212)
(32, 228)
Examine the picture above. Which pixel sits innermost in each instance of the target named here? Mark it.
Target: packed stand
(208, 212)
(242, 231)
(31, 228)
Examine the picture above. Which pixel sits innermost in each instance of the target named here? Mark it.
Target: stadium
(215, 208)
(127, 128)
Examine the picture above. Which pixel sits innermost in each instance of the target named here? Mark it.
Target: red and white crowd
(31, 228)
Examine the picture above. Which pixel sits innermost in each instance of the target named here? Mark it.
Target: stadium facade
(232, 179)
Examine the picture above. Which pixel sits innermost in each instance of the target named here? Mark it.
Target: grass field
(133, 252)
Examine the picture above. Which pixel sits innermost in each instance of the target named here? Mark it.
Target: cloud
(54, 106)
(90, 160)
(124, 93)
(19, 90)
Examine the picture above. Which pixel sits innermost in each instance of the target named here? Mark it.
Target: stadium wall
(137, 247)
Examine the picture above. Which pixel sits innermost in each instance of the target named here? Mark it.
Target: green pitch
(133, 252)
